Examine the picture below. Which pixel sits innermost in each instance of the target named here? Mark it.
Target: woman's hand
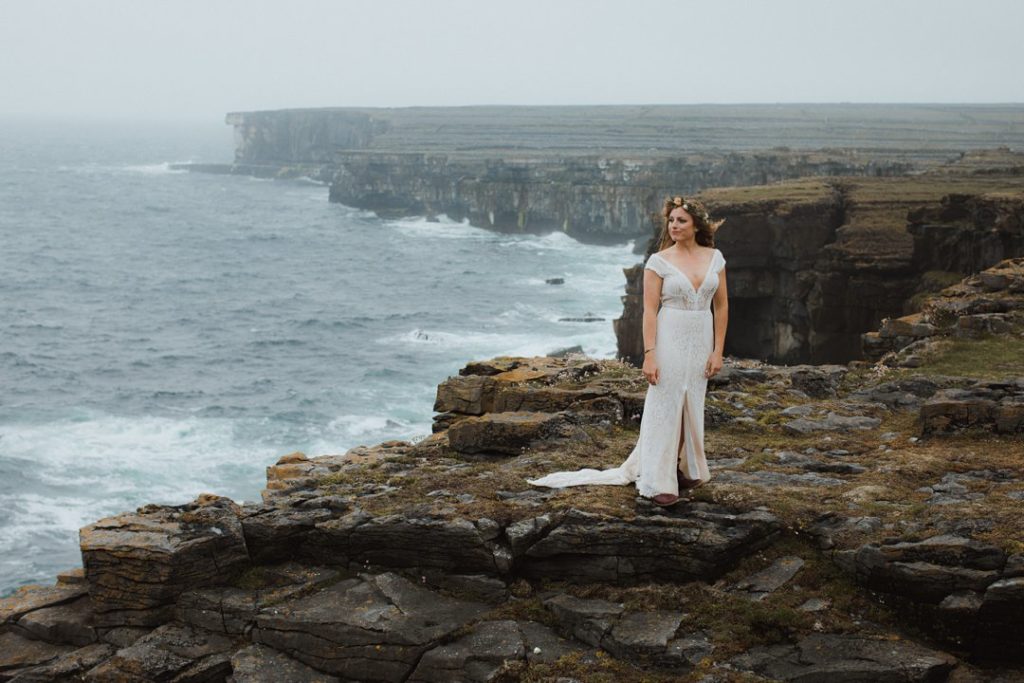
(650, 368)
(714, 364)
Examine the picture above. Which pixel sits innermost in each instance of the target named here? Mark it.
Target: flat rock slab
(507, 433)
(29, 598)
(371, 628)
(137, 564)
(697, 542)
(453, 545)
(18, 653)
(170, 652)
(832, 422)
(481, 654)
(759, 585)
(641, 636)
(69, 623)
(827, 658)
(926, 570)
(477, 656)
(232, 611)
(67, 667)
(261, 664)
(773, 479)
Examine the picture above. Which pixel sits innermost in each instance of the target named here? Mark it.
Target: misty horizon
(195, 62)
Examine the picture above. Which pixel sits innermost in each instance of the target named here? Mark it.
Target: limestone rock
(69, 623)
(818, 381)
(232, 610)
(277, 530)
(931, 569)
(832, 422)
(640, 635)
(760, 584)
(701, 543)
(171, 652)
(586, 620)
(137, 564)
(828, 657)
(508, 433)
(18, 654)
(453, 545)
(372, 628)
(29, 598)
(466, 395)
(261, 664)
(67, 667)
(477, 656)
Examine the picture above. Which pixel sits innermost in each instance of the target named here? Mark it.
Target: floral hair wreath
(687, 207)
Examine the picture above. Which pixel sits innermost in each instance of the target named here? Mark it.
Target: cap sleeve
(654, 263)
(721, 261)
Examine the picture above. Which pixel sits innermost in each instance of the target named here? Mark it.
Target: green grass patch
(988, 357)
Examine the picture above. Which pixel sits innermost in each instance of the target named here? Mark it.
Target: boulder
(466, 395)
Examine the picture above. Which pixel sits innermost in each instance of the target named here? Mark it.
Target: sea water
(164, 333)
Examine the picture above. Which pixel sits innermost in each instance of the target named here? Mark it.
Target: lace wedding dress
(674, 407)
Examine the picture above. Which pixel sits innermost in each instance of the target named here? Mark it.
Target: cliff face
(594, 172)
(590, 198)
(813, 265)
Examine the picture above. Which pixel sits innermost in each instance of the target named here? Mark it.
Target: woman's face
(680, 224)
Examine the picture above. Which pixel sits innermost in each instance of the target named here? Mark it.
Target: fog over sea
(166, 333)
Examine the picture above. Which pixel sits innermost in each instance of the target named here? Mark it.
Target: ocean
(165, 333)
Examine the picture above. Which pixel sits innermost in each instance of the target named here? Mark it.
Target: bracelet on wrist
(647, 351)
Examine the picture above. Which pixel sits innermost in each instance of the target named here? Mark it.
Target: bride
(683, 343)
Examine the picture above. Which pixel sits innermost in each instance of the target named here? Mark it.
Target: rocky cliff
(862, 524)
(813, 264)
(595, 172)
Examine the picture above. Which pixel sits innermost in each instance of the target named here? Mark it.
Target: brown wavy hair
(701, 221)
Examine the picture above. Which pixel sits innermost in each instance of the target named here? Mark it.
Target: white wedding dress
(674, 407)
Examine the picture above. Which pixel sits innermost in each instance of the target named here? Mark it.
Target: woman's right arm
(652, 300)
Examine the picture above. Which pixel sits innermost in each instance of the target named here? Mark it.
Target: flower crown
(688, 207)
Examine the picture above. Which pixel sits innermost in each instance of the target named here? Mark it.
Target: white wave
(598, 342)
(135, 460)
(156, 169)
(442, 227)
(526, 312)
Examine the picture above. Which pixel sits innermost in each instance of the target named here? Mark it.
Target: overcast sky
(197, 59)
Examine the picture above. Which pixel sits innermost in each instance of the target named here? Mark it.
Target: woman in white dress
(683, 344)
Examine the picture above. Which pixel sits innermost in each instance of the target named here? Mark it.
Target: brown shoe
(665, 499)
(685, 484)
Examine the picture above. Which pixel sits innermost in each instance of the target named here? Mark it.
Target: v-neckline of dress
(686, 277)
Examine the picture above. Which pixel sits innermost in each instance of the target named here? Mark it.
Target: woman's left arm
(721, 304)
